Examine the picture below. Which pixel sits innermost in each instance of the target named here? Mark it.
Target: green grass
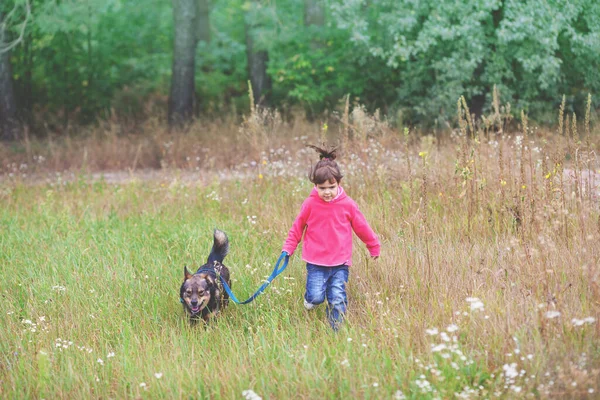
(91, 272)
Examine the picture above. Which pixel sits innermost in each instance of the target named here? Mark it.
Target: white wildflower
(510, 370)
(399, 395)
(250, 395)
(439, 347)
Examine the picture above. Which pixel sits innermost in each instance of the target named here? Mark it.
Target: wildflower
(158, 375)
(579, 322)
(476, 304)
(451, 328)
(423, 384)
(439, 347)
(100, 361)
(552, 314)
(510, 371)
(345, 363)
(111, 354)
(399, 395)
(250, 395)
(143, 385)
(432, 331)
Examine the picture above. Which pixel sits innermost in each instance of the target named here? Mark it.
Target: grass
(488, 284)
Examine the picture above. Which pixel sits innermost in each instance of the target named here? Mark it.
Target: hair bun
(324, 152)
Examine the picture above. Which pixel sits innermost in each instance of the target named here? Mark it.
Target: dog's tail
(220, 248)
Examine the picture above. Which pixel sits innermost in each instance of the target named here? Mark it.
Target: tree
(533, 50)
(314, 13)
(9, 125)
(191, 25)
(258, 57)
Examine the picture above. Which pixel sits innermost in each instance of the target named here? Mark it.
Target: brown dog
(202, 293)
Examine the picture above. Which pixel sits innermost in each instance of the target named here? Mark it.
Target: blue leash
(276, 271)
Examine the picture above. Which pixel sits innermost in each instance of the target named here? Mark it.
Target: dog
(202, 293)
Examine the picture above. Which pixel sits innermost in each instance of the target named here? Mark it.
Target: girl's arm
(365, 233)
(296, 231)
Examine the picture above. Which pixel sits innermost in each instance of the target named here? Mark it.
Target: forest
(68, 63)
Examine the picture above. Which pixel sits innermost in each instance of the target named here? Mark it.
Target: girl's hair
(326, 168)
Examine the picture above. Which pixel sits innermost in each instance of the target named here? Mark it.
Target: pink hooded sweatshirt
(327, 229)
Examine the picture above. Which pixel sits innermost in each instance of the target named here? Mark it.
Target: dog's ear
(186, 273)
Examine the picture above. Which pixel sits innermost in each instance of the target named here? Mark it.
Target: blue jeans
(330, 282)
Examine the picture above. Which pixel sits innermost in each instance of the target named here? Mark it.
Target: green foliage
(221, 64)
(81, 60)
(447, 49)
(79, 55)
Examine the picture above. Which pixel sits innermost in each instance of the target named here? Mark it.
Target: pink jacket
(327, 229)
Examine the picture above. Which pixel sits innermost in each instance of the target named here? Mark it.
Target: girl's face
(327, 190)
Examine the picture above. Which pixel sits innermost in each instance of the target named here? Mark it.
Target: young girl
(327, 218)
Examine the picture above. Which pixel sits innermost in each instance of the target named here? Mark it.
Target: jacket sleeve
(365, 232)
(297, 230)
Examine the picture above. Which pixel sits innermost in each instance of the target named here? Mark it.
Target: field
(488, 285)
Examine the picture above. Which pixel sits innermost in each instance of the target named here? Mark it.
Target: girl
(327, 218)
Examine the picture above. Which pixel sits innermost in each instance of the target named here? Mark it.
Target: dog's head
(196, 291)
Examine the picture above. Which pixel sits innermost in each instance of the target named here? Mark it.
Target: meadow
(488, 285)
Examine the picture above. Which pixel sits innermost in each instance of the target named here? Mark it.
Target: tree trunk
(314, 13)
(257, 68)
(314, 16)
(9, 126)
(181, 98)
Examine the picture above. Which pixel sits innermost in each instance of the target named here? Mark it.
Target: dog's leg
(210, 316)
